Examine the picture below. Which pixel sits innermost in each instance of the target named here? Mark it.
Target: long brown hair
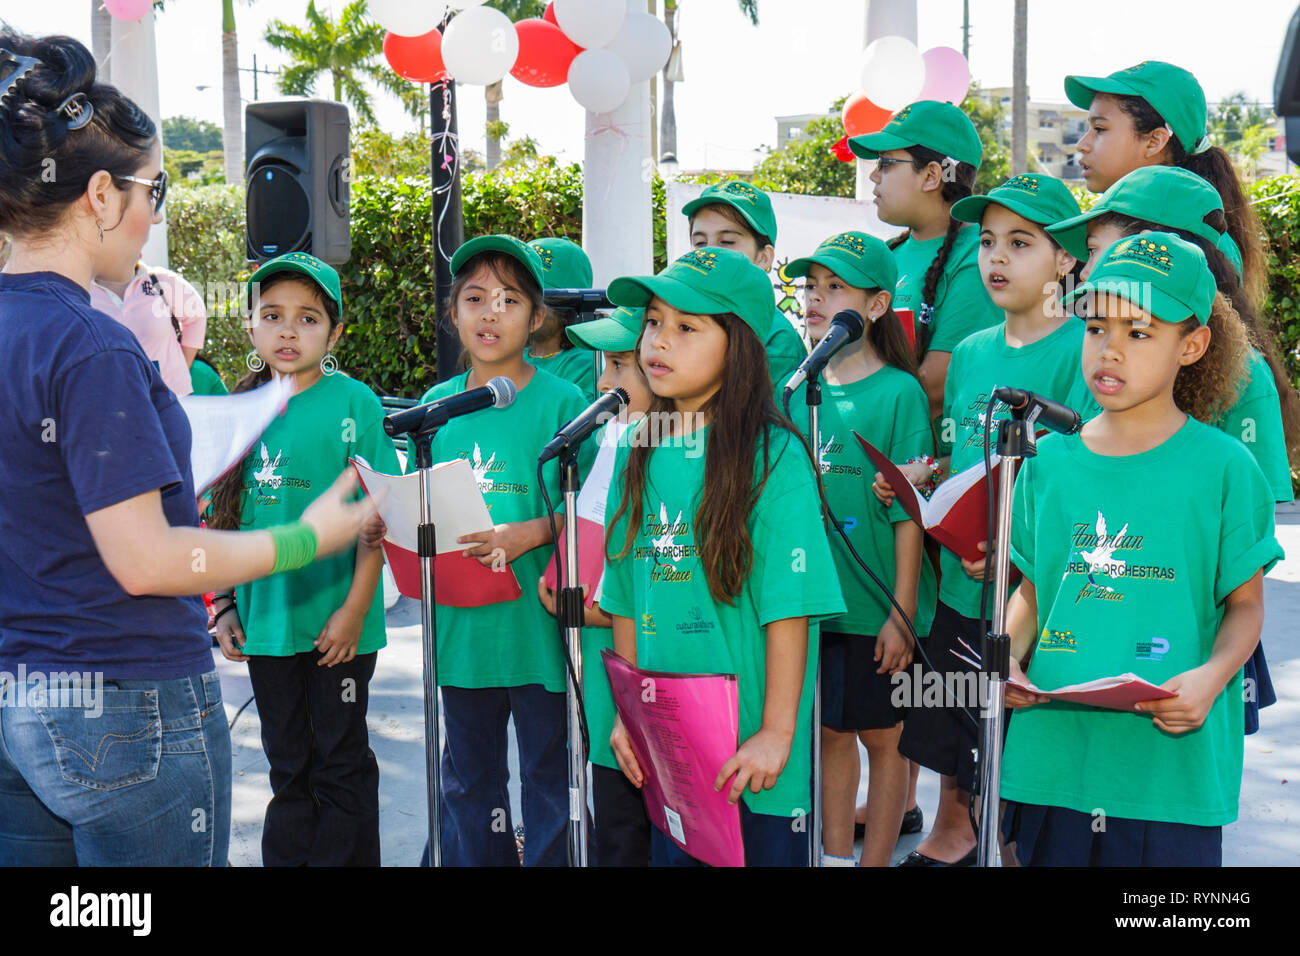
(742, 415)
(1258, 333)
(1208, 387)
(227, 509)
(961, 185)
(886, 336)
(1215, 166)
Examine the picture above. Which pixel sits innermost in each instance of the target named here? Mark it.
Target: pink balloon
(947, 75)
(128, 9)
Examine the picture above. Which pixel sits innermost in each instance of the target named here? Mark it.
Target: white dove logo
(480, 469)
(822, 451)
(1101, 555)
(664, 543)
(266, 475)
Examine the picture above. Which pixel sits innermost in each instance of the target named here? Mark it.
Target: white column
(617, 170)
(134, 63)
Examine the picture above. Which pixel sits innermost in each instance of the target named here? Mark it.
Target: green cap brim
(635, 291)
(971, 209)
(303, 268)
(1145, 296)
(872, 145)
(1072, 234)
(606, 335)
(1080, 90)
(503, 244)
(846, 268)
(691, 207)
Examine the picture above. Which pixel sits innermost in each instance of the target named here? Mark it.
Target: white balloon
(480, 46)
(893, 72)
(598, 80)
(465, 4)
(644, 44)
(407, 18)
(590, 23)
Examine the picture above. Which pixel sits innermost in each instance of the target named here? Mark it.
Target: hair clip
(77, 110)
(17, 67)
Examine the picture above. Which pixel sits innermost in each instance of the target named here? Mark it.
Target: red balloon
(544, 54)
(549, 15)
(416, 58)
(841, 150)
(861, 116)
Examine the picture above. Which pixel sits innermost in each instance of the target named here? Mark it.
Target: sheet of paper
(683, 727)
(591, 518)
(225, 427)
(1111, 693)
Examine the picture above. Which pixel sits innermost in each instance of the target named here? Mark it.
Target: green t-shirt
(785, 350)
(1052, 367)
(961, 303)
(205, 380)
(1132, 557)
(1256, 420)
(573, 365)
(889, 409)
(298, 457)
(661, 585)
(514, 642)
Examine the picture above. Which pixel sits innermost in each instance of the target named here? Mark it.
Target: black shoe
(913, 822)
(920, 859)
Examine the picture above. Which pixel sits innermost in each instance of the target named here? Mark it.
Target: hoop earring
(329, 364)
(254, 361)
(100, 224)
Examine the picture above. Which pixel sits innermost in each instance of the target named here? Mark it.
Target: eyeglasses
(885, 162)
(157, 187)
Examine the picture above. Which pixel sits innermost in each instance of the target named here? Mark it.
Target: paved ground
(1267, 833)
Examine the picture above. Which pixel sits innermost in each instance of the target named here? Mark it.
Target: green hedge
(388, 284)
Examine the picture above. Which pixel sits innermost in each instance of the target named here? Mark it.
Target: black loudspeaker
(1286, 87)
(296, 180)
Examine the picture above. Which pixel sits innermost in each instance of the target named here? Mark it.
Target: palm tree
(516, 10)
(667, 118)
(347, 49)
(231, 114)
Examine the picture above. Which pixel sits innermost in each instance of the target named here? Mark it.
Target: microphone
(846, 327)
(596, 414)
(1035, 409)
(579, 300)
(497, 393)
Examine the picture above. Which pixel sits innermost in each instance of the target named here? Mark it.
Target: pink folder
(683, 727)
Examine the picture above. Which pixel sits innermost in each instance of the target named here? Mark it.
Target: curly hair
(1208, 387)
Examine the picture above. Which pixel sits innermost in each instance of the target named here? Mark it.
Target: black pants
(324, 809)
(622, 833)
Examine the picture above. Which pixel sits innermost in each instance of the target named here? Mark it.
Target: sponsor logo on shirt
(1152, 649)
(696, 624)
(1054, 640)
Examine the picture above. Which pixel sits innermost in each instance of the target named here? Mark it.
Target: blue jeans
(769, 841)
(476, 825)
(141, 778)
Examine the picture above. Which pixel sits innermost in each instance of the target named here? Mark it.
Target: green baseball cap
(862, 261)
(1171, 91)
(1156, 271)
(941, 127)
(511, 246)
(1040, 199)
(319, 272)
(706, 281)
(564, 264)
(615, 333)
(753, 205)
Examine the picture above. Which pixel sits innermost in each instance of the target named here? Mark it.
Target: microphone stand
(569, 606)
(1015, 442)
(813, 399)
(427, 550)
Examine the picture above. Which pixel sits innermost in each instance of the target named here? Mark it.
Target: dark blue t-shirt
(85, 422)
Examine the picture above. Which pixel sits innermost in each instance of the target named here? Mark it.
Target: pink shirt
(148, 315)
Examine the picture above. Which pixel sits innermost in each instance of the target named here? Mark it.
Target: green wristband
(295, 546)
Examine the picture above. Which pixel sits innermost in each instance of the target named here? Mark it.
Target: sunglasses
(157, 187)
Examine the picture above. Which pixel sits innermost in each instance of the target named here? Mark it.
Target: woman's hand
(915, 472)
(339, 637)
(893, 647)
(1197, 691)
(372, 531)
(1014, 697)
(230, 633)
(334, 518)
(500, 546)
(975, 569)
(757, 763)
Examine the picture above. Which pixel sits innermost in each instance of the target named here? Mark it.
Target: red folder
(1111, 693)
(459, 509)
(956, 516)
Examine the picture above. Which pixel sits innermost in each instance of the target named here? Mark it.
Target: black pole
(448, 219)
